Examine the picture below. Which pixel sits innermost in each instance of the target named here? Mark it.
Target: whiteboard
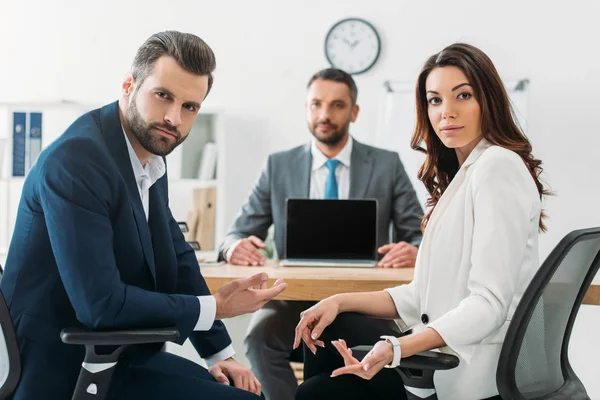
(397, 122)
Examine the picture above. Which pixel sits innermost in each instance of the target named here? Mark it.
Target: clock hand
(353, 45)
(347, 42)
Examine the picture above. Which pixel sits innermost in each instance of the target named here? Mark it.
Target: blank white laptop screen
(331, 232)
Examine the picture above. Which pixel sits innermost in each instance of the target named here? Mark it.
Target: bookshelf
(184, 164)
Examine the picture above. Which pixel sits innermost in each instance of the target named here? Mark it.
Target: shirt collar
(319, 159)
(153, 170)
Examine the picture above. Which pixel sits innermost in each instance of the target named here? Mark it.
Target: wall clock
(352, 45)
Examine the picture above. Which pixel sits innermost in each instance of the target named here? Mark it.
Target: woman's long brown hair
(498, 123)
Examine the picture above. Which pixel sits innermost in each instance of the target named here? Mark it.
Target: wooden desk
(310, 283)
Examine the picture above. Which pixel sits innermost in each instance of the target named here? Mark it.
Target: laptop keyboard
(328, 263)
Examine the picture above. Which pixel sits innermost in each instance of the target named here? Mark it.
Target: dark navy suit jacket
(84, 255)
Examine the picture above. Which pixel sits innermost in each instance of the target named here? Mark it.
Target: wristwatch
(397, 350)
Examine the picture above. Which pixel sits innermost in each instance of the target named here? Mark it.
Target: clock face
(352, 45)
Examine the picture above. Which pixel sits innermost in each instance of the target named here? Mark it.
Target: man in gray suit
(333, 165)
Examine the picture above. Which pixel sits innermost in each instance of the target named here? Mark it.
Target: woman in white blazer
(479, 250)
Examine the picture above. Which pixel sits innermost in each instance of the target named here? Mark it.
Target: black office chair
(534, 361)
(96, 371)
(10, 360)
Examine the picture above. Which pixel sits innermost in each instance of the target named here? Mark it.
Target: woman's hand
(314, 321)
(380, 355)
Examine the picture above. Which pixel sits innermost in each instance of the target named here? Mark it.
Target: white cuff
(208, 311)
(224, 354)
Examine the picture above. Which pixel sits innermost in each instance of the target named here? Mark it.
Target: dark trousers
(168, 376)
(356, 330)
(158, 376)
(271, 335)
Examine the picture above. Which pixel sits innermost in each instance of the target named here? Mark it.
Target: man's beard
(335, 136)
(151, 141)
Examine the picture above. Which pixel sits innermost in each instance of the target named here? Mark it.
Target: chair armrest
(97, 369)
(427, 360)
(118, 338)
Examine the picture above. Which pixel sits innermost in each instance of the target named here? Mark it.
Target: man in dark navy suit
(96, 246)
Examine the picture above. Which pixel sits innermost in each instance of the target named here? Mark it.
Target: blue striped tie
(331, 186)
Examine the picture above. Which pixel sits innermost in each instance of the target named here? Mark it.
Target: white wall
(267, 50)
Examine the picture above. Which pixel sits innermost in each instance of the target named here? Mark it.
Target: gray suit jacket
(374, 174)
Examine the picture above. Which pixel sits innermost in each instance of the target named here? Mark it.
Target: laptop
(330, 233)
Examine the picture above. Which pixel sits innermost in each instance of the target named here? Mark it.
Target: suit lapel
(115, 140)
(459, 179)
(162, 239)
(456, 183)
(301, 169)
(446, 198)
(361, 168)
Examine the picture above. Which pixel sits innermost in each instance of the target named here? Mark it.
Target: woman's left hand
(380, 355)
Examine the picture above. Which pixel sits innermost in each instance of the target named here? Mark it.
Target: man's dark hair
(189, 51)
(337, 75)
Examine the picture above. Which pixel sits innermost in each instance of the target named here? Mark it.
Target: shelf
(86, 105)
(196, 182)
(49, 103)
(3, 255)
(13, 179)
(212, 110)
(207, 255)
(184, 164)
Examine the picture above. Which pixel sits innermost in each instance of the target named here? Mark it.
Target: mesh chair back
(534, 362)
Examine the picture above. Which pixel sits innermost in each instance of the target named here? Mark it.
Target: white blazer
(478, 255)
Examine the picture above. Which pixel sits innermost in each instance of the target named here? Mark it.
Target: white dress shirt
(320, 172)
(145, 177)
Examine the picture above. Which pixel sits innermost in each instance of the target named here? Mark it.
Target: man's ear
(355, 110)
(128, 85)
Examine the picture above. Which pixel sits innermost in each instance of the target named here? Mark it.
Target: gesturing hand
(246, 295)
(381, 355)
(313, 321)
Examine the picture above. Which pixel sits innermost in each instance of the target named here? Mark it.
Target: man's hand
(398, 255)
(245, 252)
(246, 295)
(230, 370)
